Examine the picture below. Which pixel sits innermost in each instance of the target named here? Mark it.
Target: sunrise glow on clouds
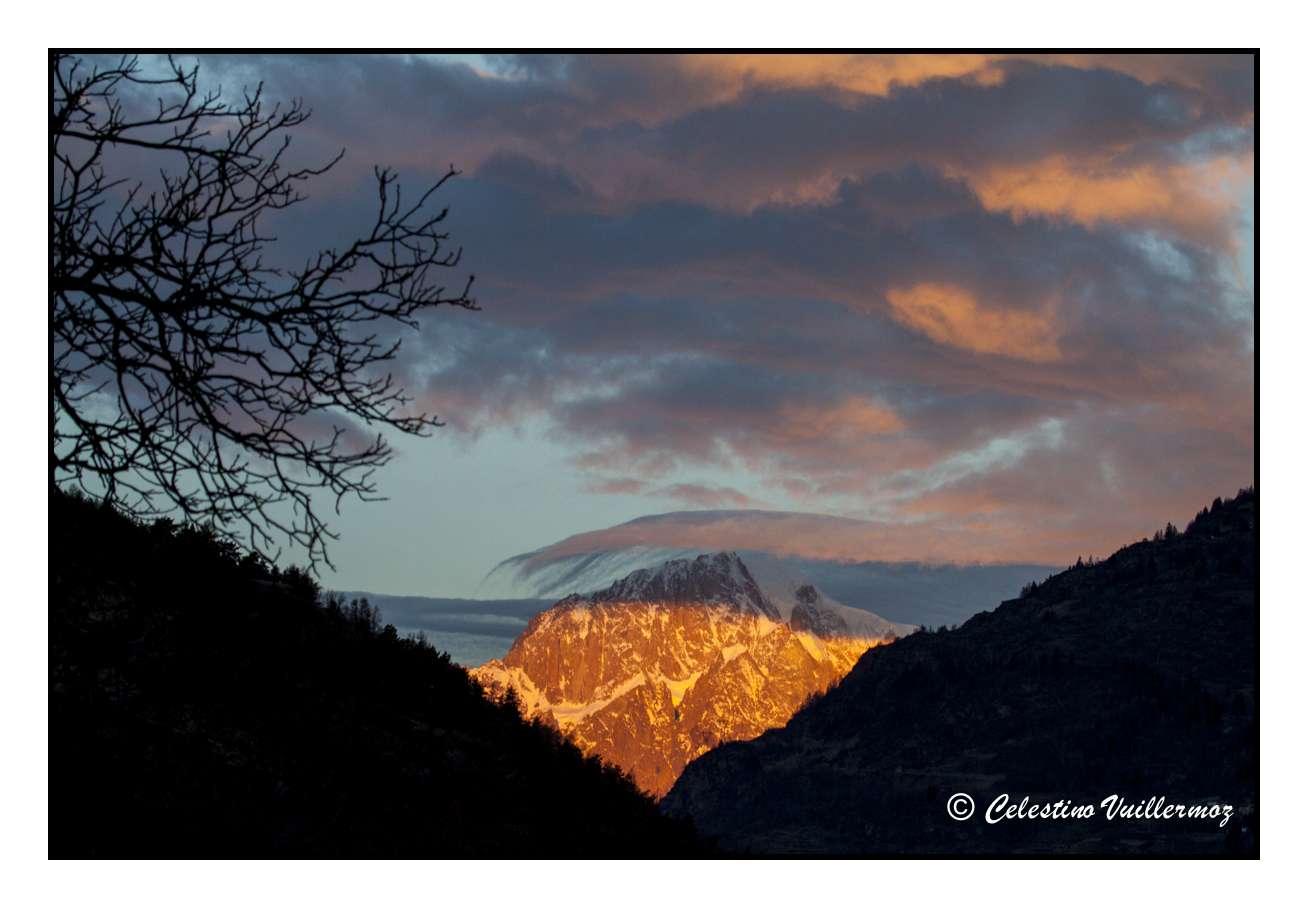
(998, 308)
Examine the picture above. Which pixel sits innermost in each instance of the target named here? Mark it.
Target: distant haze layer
(472, 631)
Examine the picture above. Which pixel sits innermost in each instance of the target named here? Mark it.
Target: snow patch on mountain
(665, 663)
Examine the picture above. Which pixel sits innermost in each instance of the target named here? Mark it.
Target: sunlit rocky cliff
(667, 663)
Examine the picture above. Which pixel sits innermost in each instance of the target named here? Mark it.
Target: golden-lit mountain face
(667, 664)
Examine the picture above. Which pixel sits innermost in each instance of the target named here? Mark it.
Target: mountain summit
(721, 578)
(873, 577)
(667, 663)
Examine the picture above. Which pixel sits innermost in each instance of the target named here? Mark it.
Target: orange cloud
(872, 74)
(879, 74)
(851, 419)
(951, 315)
(1198, 199)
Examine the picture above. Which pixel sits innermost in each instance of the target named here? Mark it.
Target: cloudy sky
(983, 308)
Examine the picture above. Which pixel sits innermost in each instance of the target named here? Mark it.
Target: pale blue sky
(458, 507)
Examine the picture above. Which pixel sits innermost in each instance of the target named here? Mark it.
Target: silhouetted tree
(190, 376)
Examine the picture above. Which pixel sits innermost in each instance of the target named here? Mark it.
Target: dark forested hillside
(202, 705)
(1134, 676)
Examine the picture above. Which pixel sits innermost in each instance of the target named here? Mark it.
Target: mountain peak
(720, 577)
(672, 659)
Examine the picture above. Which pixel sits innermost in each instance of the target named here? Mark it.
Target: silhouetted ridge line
(1135, 675)
(202, 705)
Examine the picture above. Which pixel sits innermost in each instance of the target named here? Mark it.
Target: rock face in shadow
(1135, 676)
(666, 664)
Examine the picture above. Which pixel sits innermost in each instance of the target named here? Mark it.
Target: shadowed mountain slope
(203, 706)
(1135, 676)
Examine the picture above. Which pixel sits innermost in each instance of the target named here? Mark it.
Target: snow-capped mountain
(668, 662)
(828, 550)
(803, 605)
(540, 574)
(722, 579)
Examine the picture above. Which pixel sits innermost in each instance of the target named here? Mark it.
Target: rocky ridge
(667, 663)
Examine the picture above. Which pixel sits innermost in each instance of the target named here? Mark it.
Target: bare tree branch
(188, 376)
